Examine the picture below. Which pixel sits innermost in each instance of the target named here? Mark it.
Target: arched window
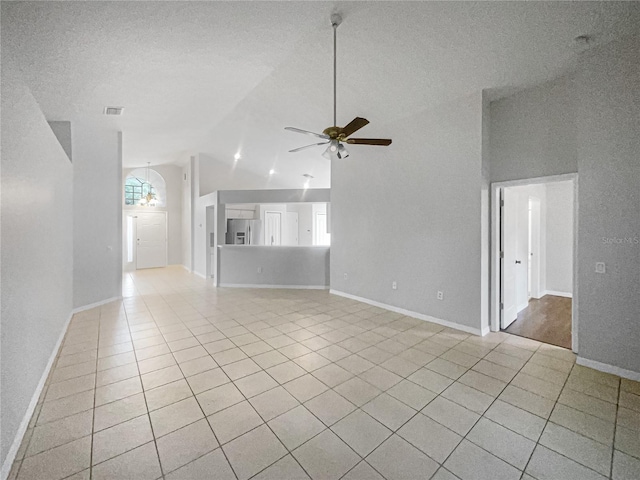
(144, 184)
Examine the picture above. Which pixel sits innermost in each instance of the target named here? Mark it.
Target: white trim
(409, 313)
(24, 424)
(185, 267)
(292, 287)
(495, 247)
(96, 304)
(557, 294)
(198, 274)
(605, 367)
(485, 330)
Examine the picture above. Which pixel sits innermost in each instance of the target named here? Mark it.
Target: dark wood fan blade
(306, 132)
(353, 126)
(369, 141)
(307, 146)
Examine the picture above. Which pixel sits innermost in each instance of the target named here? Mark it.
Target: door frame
(496, 288)
(135, 213)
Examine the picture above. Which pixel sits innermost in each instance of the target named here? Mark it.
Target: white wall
(173, 177)
(412, 213)
(97, 214)
(187, 215)
(602, 100)
(280, 266)
(559, 237)
(37, 252)
(522, 194)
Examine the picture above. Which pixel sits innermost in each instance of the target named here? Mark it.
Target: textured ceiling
(223, 77)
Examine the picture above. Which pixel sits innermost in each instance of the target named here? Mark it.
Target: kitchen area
(272, 244)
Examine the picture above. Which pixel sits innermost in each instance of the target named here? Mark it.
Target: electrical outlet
(600, 267)
(394, 285)
(346, 277)
(440, 295)
(259, 269)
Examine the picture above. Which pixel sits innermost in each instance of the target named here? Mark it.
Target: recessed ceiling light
(272, 171)
(306, 184)
(237, 156)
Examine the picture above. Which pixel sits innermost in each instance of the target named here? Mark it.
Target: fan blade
(369, 141)
(307, 146)
(353, 126)
(305, 132)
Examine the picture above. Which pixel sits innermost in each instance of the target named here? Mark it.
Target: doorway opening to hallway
(534, 245)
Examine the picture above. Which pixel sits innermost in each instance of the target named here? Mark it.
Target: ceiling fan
(336, 136)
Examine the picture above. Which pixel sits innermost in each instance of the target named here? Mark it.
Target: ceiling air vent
(113, 110)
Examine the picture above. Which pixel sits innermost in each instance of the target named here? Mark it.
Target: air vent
(113, 110)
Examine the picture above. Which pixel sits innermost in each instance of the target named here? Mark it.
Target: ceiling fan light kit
(336, 136)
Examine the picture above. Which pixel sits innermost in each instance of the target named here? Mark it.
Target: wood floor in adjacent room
(546, 320)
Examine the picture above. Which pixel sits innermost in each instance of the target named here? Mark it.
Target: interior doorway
(534, 259)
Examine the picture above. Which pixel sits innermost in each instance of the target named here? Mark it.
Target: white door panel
(522, 252)
(151, 240)
(508, 271)
(272, 228)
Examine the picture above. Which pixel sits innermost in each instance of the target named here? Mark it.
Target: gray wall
(559, 237)
(97, 214)
(37, 259)
(412, 213)
(533, 133)
(281, 266)
(608, 113)
(599, 108)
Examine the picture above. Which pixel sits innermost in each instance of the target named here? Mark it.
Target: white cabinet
(241, 214)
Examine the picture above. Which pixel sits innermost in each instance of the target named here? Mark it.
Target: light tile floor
(183, 381)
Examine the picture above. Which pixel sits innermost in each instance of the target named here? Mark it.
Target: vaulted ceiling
(226, 77)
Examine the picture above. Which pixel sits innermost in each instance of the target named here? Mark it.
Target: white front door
(272, 228)
(508, 239)
(151, 240)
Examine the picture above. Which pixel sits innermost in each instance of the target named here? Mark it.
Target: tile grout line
(95, 392)
(143, 393)
(548, 419)
(615, 428)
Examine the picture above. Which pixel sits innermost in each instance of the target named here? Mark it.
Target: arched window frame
(139, 183)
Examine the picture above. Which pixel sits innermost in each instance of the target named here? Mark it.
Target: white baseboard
(557, 294)
(198, 274)
(485, 330)
(96, 304)
(185, 267)
(409, 313)
(605, 367)
(24, 424)
(291, 287)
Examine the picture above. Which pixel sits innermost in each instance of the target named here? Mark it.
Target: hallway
(546, 320)
(180, 380)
